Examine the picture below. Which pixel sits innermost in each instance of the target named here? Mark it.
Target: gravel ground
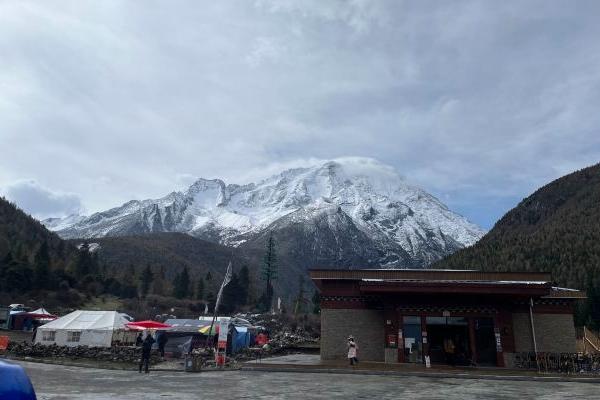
(61, 382)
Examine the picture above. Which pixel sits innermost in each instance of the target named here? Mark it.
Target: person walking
(162, 341)
(352, 349)
(146, 351)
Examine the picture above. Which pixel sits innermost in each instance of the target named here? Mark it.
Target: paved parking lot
(60, 382)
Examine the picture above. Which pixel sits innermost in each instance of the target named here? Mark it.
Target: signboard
(399, 335)
(223, 330)
(391, 340)
(498, 343)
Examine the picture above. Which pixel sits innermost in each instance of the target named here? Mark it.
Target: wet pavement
(53, 382)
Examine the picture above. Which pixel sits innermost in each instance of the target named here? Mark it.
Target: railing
(567, 363)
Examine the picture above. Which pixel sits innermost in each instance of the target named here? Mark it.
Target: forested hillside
(148, 273)
(556, 229)
(29, 252)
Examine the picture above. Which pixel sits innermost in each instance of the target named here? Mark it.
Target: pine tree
(41, 272)
(316, 301)
(181, 284)
(269, 273)
(230, 300)
(129, 287)
(200, 289)
(160, 283)
(244, 285)
(146, 280)
(83, 265)
(300, 300)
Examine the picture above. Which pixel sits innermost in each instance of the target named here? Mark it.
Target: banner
(226, 280)
(223, 330)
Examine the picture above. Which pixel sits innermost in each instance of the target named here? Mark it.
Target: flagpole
(226, 280)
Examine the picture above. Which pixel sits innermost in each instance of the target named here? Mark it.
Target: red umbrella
(143, 325)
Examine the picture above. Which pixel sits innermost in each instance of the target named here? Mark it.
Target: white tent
(89, 328)
(41, 311)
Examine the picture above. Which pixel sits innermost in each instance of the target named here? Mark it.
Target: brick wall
(367, 327)
(553, 332)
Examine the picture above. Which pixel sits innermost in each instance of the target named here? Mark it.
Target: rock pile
(125, 354)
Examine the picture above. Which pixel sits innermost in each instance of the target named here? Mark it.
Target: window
(48, 336)
(73, 336)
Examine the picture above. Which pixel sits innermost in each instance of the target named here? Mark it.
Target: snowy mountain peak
(402, 222)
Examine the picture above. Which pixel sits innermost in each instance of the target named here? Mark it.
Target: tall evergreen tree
(231, 300)
(129, 286)
(146, 280)
(316, 301)
(41, 271)
(300, 300)
(269, 273)
(181, 284)
(159, 286)
(200, 289)
(83, 264)
(244, 285)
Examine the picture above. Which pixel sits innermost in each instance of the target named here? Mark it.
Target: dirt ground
(54, 382)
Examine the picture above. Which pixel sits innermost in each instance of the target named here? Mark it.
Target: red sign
(3, 342)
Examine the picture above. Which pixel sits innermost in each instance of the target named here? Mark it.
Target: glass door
(413, 340)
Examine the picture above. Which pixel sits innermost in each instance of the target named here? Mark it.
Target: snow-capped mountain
(358, 204)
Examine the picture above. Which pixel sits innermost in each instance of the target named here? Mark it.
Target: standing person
(162, 341)
(146, 351)
(139, 340)
(449, 350)
(352, 348)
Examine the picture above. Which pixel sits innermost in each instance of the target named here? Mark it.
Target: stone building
(449, 315)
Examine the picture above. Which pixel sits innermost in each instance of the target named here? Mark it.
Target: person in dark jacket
(146, 351)
(139, 340)
(162, 341)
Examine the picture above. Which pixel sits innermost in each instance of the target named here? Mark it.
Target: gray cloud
(40, 201)
(478, 102)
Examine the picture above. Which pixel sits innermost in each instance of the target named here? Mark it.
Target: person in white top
(352, 349)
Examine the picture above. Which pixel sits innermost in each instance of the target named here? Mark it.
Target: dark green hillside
(556, 229)
(22, 235)
(174, 251)
(31, 257)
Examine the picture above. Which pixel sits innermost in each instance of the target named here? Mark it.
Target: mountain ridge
(403, 223)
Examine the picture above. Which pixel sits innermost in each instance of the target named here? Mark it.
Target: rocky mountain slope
(351, 211)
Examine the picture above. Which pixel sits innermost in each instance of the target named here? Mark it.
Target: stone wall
(367, 327)
(553, 332)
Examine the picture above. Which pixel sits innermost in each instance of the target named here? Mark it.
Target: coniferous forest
(557, 230)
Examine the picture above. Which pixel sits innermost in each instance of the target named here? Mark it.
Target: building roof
(441, 281)
(87, 320)
(428, 274)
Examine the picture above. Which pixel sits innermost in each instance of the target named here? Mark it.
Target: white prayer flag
(226, 280)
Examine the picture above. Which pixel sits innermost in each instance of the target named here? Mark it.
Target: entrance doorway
(485, 341)
(448, 340)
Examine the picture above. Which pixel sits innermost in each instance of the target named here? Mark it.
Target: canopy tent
(240, 338)
(206, 330)
(90, 328)
(42, 311)
(144, 325)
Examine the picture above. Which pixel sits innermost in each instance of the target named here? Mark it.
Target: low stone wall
(125, 354)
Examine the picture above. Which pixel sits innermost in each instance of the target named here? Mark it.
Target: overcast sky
(478, 102)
